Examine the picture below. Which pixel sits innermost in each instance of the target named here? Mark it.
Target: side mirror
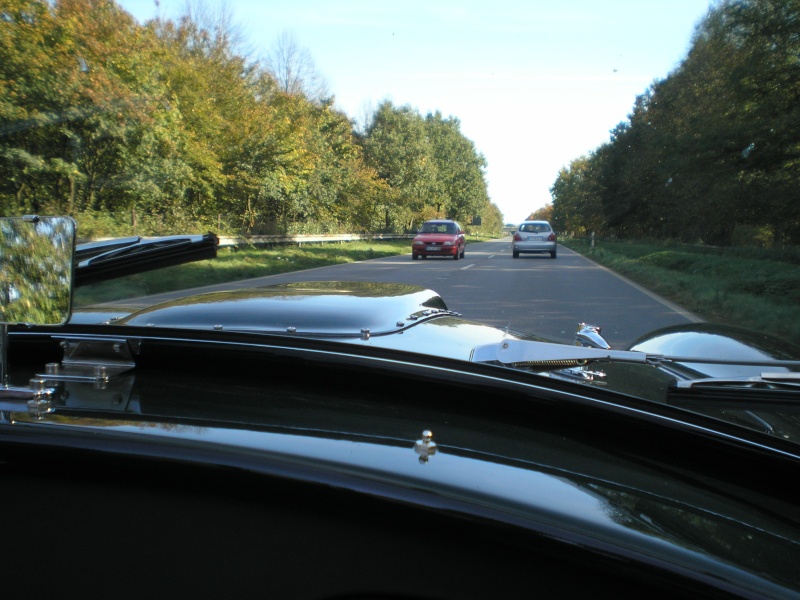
(36, 269)
(36, 266)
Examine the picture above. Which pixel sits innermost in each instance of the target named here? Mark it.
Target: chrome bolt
(425, 447)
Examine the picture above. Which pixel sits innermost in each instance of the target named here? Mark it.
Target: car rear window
(438, 228)
(534, 227)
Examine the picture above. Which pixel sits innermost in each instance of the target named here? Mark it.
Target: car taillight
(552, 237)
(517, 237)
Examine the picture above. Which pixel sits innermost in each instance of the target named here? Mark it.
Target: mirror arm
(36, 399)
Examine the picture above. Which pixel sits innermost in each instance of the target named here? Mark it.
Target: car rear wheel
(415, 256)
(455, 256)
(553, 254)
(516, 254)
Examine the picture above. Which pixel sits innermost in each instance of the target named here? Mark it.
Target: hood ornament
(590, 336)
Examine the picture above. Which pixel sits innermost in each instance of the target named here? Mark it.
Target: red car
(439, 238)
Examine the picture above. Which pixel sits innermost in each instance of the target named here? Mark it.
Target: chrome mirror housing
(36, 274)
(36, 269)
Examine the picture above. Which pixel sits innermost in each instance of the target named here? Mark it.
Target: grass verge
(753, 288)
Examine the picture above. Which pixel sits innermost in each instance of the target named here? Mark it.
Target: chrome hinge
(92, 359)
(37, 399)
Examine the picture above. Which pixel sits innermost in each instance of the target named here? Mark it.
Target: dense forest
(709, 154)
(169, 126)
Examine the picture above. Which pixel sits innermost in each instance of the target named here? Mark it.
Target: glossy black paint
(314, 308)
(248, 461)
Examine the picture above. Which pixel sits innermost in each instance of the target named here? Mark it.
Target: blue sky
(534, 83)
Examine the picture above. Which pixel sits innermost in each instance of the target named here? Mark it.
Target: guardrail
(274, 240)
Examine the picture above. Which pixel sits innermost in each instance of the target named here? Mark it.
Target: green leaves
(430, 167)
(460, 169)
(714, 146)
(168, 126)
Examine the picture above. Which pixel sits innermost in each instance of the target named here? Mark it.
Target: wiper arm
(769, 389)
(545, 355)
(100, 261)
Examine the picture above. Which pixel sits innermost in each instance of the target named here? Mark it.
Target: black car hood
(515, 457)
(321, 309)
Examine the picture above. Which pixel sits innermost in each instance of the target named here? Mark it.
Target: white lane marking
(467, 267)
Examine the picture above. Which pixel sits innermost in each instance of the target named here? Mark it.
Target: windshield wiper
(546, 355)
(766, 381)
(768, 391)
(563, 359)
(100, 261)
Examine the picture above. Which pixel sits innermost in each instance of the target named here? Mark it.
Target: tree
(85, 105)
(294, 70)
(491, 219)
(460, 187)
(714, 146)
(544, 213)
(576, 206)
(397, 147)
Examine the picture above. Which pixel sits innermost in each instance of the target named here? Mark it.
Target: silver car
(534, 236)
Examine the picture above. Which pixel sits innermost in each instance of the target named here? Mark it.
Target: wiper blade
(88, 250)
(788, 381)
(768, 391)
(100, 261)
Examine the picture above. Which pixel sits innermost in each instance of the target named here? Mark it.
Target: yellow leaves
(226, 138)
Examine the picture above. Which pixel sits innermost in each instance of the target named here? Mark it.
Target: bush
(670, 259)
(752, 236)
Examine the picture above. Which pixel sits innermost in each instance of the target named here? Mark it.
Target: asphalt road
(532, 293)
